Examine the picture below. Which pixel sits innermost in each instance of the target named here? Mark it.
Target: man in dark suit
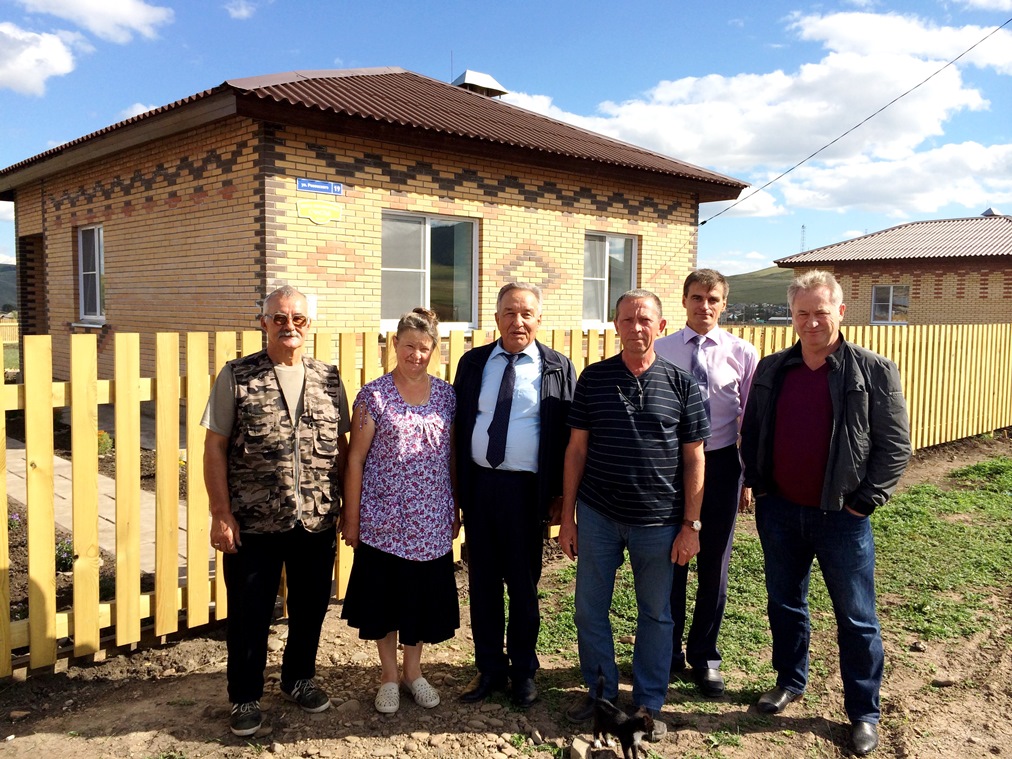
(513, 399)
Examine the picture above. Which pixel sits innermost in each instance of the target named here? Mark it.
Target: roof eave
(127, 134)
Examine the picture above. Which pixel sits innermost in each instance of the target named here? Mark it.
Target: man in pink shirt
(722, 365)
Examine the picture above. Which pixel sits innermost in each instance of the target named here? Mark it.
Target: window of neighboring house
(91, 278)
(608, 265)
(428, 261)
(890, 304)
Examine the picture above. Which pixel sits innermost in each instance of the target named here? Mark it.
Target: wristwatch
(695, 525)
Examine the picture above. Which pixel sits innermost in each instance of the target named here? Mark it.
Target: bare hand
(686, 546)
(555, 512)
(349, 531)
(225, 533)
(567, 539)
(745, 501)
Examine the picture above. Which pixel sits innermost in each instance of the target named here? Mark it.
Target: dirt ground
(940, 699)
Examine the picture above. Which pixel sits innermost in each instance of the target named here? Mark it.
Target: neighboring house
(948, 271)
(376, 190)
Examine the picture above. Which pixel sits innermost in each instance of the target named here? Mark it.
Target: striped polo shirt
(637, 425)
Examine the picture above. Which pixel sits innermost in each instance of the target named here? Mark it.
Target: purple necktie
(501, 418)
(698, 369)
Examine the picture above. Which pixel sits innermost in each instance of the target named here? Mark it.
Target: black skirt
(386, 593)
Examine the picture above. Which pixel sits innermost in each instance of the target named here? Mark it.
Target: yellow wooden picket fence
(957, 380)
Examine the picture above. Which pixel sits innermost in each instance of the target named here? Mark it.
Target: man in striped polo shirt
(633, 480)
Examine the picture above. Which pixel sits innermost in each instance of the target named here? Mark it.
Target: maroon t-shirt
(804, 424)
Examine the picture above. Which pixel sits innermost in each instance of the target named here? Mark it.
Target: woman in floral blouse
(399, 513)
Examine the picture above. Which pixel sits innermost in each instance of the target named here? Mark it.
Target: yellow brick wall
(179, 239)
(531, 225)
(977, 291)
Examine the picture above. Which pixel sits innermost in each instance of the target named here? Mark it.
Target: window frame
(98, 273)
(390, 325)
(633, 268)
(891, 304)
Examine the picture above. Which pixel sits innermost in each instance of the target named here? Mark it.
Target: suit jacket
(558, 383)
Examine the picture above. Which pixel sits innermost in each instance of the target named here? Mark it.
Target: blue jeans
(601, 543)
(792, 536)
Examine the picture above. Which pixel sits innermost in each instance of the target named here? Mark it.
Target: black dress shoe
(776, 700)
(709, 681)
(863, 738)
(524, 692)
(481, 687)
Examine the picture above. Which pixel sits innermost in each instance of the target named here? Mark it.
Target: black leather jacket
(558, 383)
(870, 444)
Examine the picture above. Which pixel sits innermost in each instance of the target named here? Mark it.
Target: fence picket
(38, 367)
(84, 471)
(5, 561)
(198, 596)
(128, 488)
(166, 483)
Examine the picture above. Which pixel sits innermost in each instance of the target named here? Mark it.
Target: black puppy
(610, 720)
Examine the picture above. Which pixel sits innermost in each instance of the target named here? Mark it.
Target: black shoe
(677, 670)
(481, 687)
(776, 700)
(245, 718)
(523, 692)
(863, 738)
(307, 695)
(709, 681)
(581, 711)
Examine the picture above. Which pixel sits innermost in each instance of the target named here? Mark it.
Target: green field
(763, 286)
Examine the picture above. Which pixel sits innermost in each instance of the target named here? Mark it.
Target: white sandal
(388, 698)
(425, 695)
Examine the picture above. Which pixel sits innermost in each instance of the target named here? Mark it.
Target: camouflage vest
(264, 442)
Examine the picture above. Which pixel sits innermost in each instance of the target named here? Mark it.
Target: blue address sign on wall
(318, 185)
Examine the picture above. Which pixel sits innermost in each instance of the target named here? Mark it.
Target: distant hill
(763, 286)
(8, 286)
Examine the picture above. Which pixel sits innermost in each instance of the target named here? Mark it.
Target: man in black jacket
(513, 398)
(825, 439)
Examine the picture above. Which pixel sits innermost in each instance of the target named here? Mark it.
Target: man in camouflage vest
(274, 452)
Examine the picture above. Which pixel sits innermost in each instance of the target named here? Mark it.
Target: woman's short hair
(423, 320)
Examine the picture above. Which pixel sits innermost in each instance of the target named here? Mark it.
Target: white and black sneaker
(245, 718)
(307, 696)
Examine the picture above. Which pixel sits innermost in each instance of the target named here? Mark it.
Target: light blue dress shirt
(524, 433)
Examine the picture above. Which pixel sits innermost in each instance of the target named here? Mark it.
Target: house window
(428, 261)
(91, 279)
(890, 304)
(608, 265)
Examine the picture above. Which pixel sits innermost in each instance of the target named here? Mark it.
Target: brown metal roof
(989, 235)
(396, 96)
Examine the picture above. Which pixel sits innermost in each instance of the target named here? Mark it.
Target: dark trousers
(718, 515)
(503, 529)
(252, 577)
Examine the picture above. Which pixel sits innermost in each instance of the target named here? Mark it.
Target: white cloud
(758, 125)
(28, 59)
(135, 110)
(735, 261)
(6, 211)
(112, 20)
(241, 9)
(989, 5)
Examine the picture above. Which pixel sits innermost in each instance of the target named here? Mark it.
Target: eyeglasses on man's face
(281, 320)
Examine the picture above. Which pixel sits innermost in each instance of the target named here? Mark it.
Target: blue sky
(741, 87)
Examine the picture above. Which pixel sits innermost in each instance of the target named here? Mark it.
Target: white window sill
(89, 324)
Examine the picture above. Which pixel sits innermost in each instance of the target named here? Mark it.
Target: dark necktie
(501, 418)
(698, 369)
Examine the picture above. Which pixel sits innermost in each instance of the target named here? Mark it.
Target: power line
(858, 125)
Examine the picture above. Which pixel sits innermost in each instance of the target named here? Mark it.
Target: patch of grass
(12, 356)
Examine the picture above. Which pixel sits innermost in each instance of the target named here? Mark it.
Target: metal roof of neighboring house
(986, 235)
(396, 96)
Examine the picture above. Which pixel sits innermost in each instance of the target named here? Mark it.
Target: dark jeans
(718, 515)
(252, 577)
(503, 529)
(792, 536)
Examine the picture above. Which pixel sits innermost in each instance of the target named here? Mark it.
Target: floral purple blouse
(407, 502)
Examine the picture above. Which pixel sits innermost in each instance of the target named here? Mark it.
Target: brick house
(374, 190)
(945, 271)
